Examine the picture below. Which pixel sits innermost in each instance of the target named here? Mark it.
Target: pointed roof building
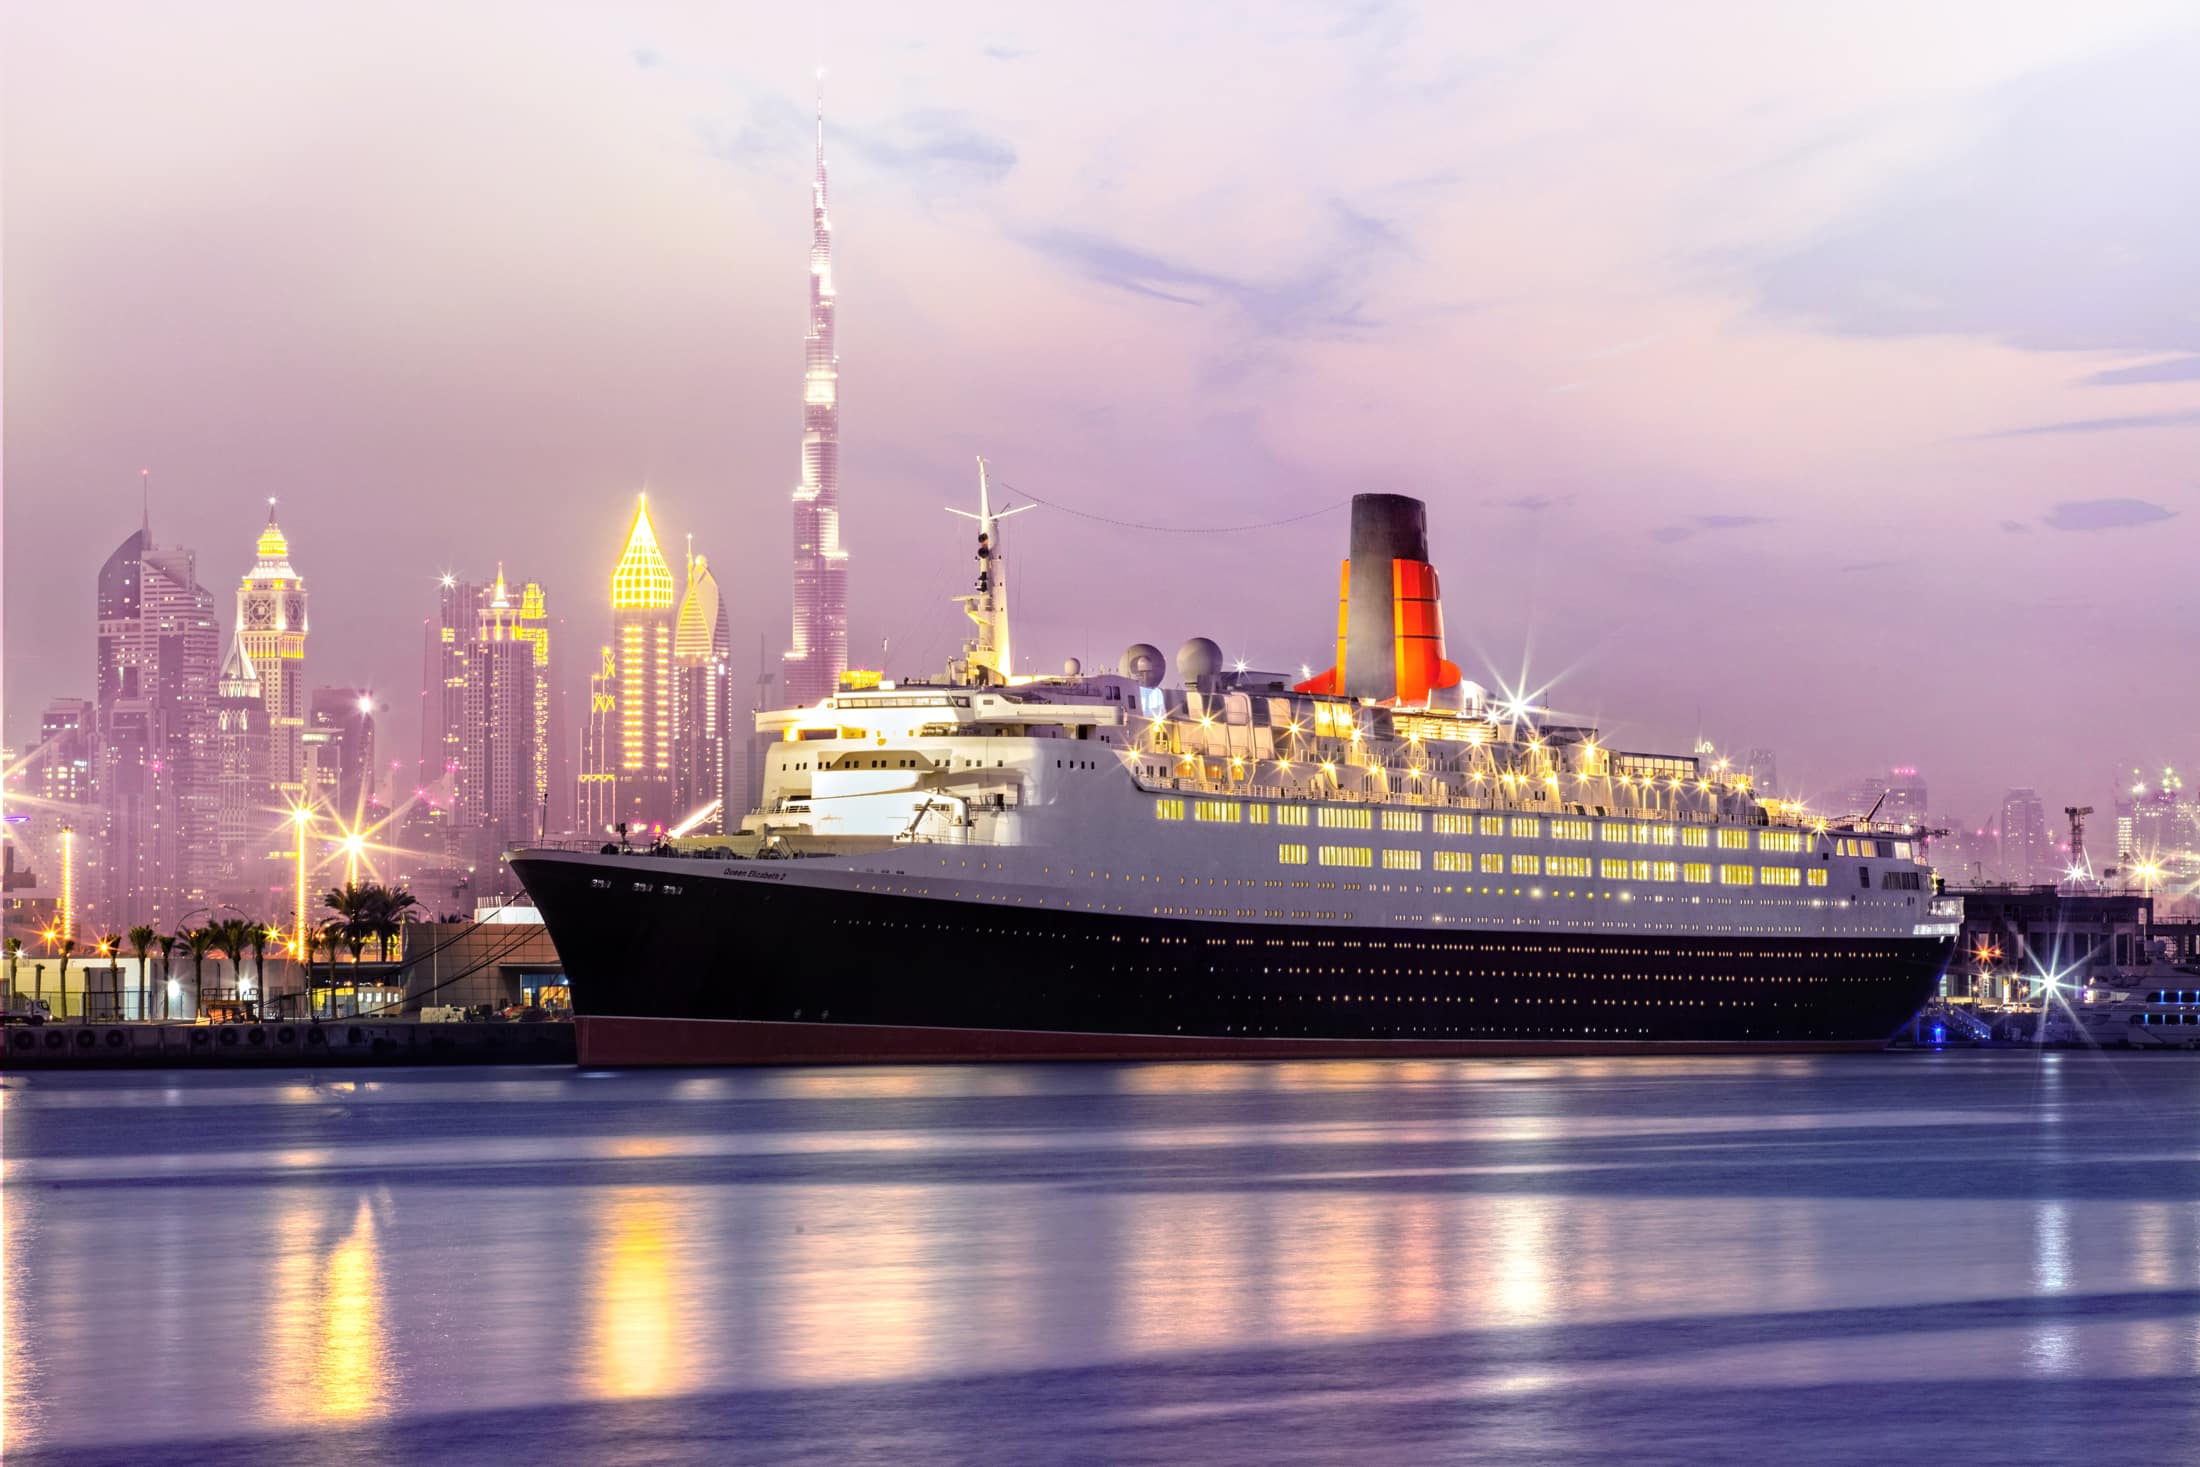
(702, 633)
(641, 581)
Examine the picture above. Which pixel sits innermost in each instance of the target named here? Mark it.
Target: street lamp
(301, 817)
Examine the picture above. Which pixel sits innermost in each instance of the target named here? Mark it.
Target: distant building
(642, 624)
(503, 732)
(2028, 853)
(271, 626)
(1907, 801)
(248, 803)
(157, 659)
(339, 742)
(2157, 824)
(447, 641)
(702, 650)
(1763, 771)
(597, 798)
(819, 654)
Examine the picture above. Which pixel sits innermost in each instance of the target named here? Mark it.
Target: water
(1958, 1259)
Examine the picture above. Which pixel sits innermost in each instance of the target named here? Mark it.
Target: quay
(281, 1043)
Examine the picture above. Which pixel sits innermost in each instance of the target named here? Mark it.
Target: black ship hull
(712, 970)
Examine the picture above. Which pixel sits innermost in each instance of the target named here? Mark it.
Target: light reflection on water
(1200, 1262)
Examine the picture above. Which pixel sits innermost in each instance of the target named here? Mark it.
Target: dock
(281, 1043)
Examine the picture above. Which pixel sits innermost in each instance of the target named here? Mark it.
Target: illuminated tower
(702, 650)
(499, 769)
(159, 653)
(245, 802)
(641, 638)
(598, 795)
(820, 652)
(271, 627)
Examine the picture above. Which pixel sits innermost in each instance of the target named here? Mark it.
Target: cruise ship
(1205, 861)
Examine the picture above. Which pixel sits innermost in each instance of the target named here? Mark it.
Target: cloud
(1705, 524)
(1858, 567)
(937, 143)
(648, 57)
(1004, 53)
(2015, 527)
(1532, 503)
(1320, 299)
(2070, 225)
(2103, 514)
(2101, 425)
(2175, 369)
(938, 146)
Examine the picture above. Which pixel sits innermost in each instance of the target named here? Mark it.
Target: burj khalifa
(819, 656)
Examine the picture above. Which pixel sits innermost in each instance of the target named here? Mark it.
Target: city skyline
(1916, 452)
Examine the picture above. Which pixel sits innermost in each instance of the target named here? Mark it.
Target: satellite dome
(1143, 661)
(1198, 660)
(1072, 668)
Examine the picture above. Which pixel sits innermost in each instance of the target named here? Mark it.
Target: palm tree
(395, 909)
(225, 939)
(142, 939)
(198, 941)
(15, 955)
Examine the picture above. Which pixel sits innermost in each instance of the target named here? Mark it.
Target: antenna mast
(987, 656)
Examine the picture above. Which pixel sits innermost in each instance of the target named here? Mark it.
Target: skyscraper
(702, 651)
(641, 636)
(2027, 852)
(246, 799)
(271, 626)
(597, 796)
(339, 741)
(447, 645)
(158, 654)
(498, 766)
(820, 651)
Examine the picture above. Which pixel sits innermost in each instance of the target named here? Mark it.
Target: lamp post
(301, 818)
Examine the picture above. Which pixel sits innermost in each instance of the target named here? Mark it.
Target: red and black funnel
(1390, 618)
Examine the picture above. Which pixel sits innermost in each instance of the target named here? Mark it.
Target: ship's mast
(986, 656)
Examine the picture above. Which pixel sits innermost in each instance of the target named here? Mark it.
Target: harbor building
(2016, 937)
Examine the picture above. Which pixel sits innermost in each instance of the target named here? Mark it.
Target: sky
(1824, 378)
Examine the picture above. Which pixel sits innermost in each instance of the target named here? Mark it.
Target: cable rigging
(1172, 529)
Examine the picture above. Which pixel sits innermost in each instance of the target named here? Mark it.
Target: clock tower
(271, 628)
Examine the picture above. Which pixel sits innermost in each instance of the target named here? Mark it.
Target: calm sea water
(1958, 1259)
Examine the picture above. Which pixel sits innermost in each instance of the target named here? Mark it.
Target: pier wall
(280, 1043)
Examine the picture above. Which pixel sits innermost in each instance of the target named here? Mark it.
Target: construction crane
(2081, 865)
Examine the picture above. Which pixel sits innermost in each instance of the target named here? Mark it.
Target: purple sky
(1827, 376)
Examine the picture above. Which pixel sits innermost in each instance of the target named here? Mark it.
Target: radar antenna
(986, 659)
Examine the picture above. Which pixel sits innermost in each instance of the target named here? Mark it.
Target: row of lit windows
(1579, 867)
(1520, 827)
